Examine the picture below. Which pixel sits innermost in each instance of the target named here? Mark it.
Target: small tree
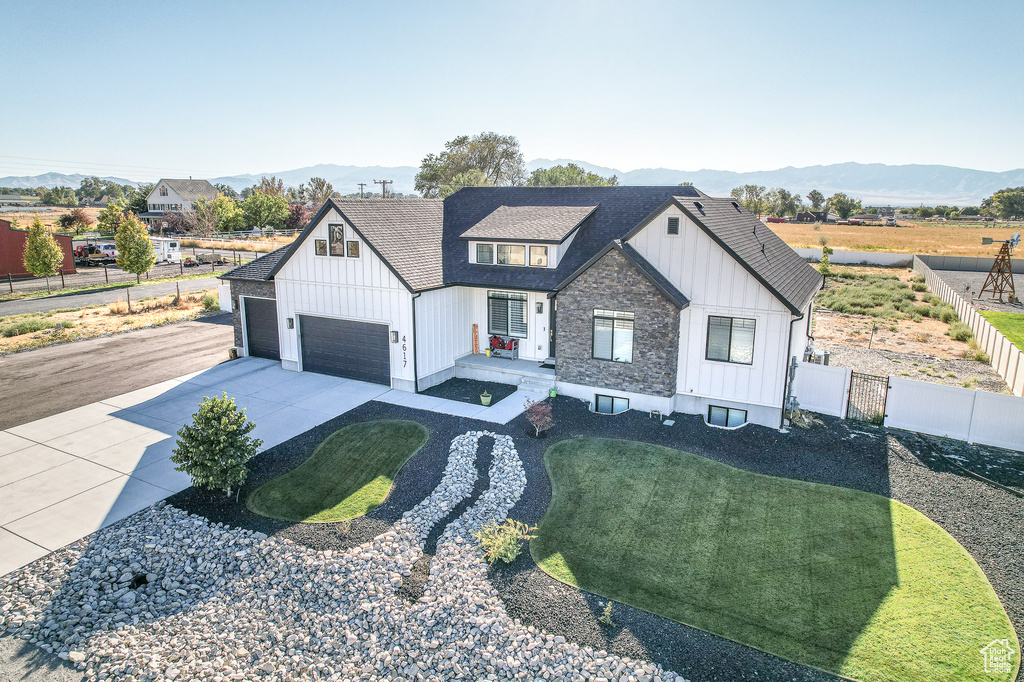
(76, 220)
(135, 252)
(539, 415)
(214, 448)
(43, 255)
(110, 218)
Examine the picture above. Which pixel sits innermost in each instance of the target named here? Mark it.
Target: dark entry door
(346, 348)
(261, 338)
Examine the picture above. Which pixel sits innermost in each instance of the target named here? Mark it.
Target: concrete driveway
(67, 475)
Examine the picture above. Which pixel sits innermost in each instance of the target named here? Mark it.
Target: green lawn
(841, 580)
(348, 474)
(1010, 324)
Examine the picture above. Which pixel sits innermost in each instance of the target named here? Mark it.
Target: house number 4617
(405, 358)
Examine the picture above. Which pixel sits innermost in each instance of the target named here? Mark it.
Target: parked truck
(92, 253)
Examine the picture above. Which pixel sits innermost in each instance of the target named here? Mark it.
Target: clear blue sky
(143, 89)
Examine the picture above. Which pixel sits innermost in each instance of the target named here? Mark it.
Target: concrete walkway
(70, 474)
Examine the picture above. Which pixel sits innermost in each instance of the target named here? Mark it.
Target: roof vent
(736, 206)
(700, 207)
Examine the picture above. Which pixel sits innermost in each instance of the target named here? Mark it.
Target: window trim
(529, 254)
(668, 227)
(728, 411)
(491, 254)
(707, 340)
(509, 247)
(612, 398)
(331, 241)
(508, 296)
(613, 316)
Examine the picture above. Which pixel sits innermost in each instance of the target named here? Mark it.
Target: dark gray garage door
(346, 348)
(261, 328)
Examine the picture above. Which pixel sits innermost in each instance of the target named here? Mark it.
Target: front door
(551, 326)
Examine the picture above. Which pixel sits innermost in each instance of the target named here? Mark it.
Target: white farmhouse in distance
(175, 195)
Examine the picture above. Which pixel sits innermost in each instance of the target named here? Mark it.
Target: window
(352, 249)
(673, 225)
(511, 254)
(726, 416)
(485, 253)
(730, 339)
(336, 234)
(613, 335)
(320, 247)
(163, 191)
(506, 314)
(539, 256)
(606, 404)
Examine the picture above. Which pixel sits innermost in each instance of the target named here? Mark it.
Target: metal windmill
(1000, 277)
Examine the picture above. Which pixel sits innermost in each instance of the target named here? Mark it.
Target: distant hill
(873, 183)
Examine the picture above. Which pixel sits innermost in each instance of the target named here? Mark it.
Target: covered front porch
(537, 376)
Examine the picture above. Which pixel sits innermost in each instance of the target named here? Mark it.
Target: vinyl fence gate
(867, 398)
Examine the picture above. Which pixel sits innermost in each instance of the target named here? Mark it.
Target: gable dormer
(524, 236)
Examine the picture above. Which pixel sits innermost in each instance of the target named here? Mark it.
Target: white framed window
(511, 254)
(506, 314)
(607, 404)
(730, 339)
(485, 253)
(539, 256)
(163, 191)
(729, 417)
(613, 336)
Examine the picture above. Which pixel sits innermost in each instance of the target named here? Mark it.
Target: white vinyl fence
(840, 257)
(965, 414)
(224, 294)
(1006, 358)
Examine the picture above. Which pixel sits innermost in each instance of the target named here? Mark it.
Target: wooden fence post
(106, 275)
(61, 279)
(10, 282)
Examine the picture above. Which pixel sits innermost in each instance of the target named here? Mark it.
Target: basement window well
(607, 404)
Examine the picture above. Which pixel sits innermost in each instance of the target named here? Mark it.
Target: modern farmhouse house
(626, 297)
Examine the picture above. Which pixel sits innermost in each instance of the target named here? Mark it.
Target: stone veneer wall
(246, 288)
(613, 283)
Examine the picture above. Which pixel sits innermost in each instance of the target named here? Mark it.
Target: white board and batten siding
(444, 326)
(362, 289)
(717, 284)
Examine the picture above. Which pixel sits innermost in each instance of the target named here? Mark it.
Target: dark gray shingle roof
(755, 246)
(259, 270)
(533, 223)
(405, 232)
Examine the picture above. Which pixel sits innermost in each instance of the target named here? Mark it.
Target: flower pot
(485, 399)
(552, 392)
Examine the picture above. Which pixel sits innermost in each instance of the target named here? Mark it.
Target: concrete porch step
(536, 385)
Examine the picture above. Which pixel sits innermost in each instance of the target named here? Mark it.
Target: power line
(383, 187)
(35, 161)
(361, 186)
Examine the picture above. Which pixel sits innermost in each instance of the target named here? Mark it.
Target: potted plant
(539, 416)
(552, 392)
(485, 398)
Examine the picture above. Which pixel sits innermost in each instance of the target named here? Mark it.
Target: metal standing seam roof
(530, 223)
(756, 247)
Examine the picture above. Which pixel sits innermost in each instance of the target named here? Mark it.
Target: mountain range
(873, 183)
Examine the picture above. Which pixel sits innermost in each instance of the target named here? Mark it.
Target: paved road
(43, 382)
(39, 305)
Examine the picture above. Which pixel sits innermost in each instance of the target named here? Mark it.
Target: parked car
(890, 222)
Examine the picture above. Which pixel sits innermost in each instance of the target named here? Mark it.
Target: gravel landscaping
(928, 368)
(469, 390)
(897, 464)
(167, 595)
(960, 281)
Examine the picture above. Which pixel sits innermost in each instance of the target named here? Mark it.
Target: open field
(47, 214)
(35, 330)
(920, 237)
(261, 245)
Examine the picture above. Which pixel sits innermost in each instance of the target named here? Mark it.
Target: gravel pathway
(920, 367)
(960, 281)
(166, 595)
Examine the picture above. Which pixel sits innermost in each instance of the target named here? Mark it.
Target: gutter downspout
(786, 355)
(415, 347)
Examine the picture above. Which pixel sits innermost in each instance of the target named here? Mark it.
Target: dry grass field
(920, 237)
(47, 214)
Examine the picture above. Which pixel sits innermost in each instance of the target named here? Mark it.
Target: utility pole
(383, 187)
(361, 186)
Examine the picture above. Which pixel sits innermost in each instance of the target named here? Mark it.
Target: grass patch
(1010, 324)
(347, 475)
(845, 581)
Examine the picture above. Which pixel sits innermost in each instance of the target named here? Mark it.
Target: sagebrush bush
(919, 286)
(960, 332)
(503, 542)
(211, 303)
(948, 316)
(25, 327)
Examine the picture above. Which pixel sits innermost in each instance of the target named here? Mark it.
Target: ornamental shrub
(215, 447)
(502, 542)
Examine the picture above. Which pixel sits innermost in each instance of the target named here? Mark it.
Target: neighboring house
(12, 200)
(12, 252)
(175, 195)
(817, 217)
(95, 203)
(652, 298)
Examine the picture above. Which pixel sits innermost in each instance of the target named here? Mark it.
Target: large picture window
(506, 314)
(613, 335)
(511, 254)
(336, 235)
(730, 339)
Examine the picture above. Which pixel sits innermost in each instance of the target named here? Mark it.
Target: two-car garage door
(345, 348)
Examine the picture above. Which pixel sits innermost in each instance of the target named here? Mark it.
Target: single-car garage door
(346, 348)
(261, 339)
